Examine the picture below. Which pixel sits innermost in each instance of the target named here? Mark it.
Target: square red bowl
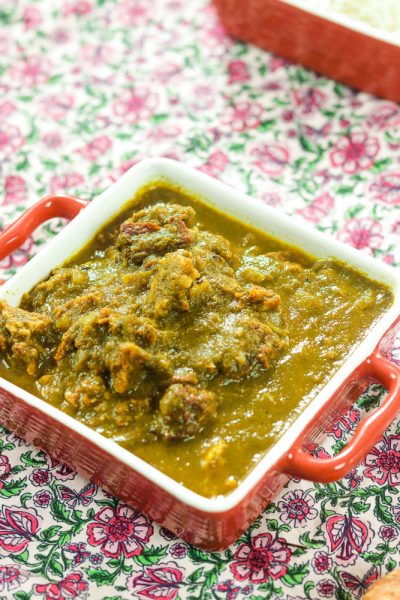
(330, 43)
(211, 523)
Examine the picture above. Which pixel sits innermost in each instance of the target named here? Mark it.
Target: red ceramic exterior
(49, 207)
(301, 464)
(339, 52)
(212, 531)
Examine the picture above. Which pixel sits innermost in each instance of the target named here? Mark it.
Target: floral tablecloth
(88, 88)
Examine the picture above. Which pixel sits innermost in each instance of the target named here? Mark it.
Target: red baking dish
(330, 43)
(211, 523)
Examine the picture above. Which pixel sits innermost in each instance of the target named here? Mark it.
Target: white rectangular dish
(211, 523)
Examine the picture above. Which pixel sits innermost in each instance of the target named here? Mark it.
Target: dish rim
(248, 210)
(347, 22)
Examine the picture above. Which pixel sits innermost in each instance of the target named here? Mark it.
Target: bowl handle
(325, 470)
(64, 206)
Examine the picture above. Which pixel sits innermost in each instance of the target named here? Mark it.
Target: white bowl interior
(110, 202)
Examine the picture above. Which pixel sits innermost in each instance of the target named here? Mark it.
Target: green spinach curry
(189, 338)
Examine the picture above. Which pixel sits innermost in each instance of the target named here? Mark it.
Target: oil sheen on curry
(189, 338)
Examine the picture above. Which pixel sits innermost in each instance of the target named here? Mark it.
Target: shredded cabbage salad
(382, 14)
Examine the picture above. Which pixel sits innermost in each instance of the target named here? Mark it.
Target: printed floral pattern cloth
(90, 87)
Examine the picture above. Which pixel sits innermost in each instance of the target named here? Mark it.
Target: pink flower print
(388, 533)
(123, 167)
(214, 37)
(17, 528)
(238, 71)
(321, 562)
(5, 47)
(96, 559)
(297, 507)
(6, 109)
(271, 159)
(317, 132)
(319, 208)
(272, 86)
(383, 461)
(11, 577)
(31, 71)
(126, 165)
(387, 188)
(326, 588)
(345, 423)
(276, 62)
(71, 586)
(384, 116)
(164, 132)
(135, 105)
(309, 100)
(247, 590)
(263, 557)
(79, 553)
(167, 71)
(61, 471)
(242, 115)
(61, 35)
(321, 453)
(288, 115)
(229, 588)
(15, 188)
(396, 228)
(32, 17)
(271, 198)
(347, 535)
(157, 581)
(203, 97)
(133, 12)
(95, 149)
(11, 140)
(313, 448)
(178, 550)
(4, 467)
(40, 477)
(355, 152)
(66, 182)
(353, 479)
(97, 55)
(42, 499)
(19, 257)
(364, 234)
(215, 164)
(79, 7)
(119, 531)
(174, 4)
(389, 259)
(326, 175)
(57, 106)
(53, 140)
